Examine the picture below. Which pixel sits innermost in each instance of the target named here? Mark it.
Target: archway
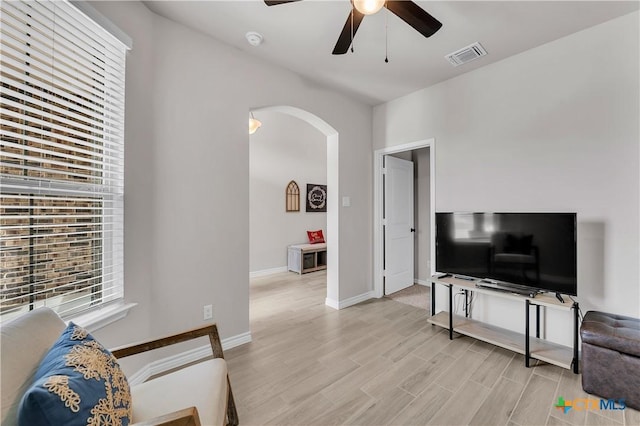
(333, 280)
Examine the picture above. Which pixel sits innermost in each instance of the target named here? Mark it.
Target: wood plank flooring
(381, 363)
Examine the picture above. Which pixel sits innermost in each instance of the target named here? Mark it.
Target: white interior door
(398, 221)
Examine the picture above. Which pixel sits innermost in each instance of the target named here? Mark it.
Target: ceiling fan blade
(345, 39)
(415, 16)
(277, 2)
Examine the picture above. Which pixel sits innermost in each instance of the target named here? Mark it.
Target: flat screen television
(531, 249)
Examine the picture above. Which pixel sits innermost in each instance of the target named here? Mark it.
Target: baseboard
(332, 303)
(192, 355)
(235, 341)
(265, 272)
(341, 304)
(422, 282)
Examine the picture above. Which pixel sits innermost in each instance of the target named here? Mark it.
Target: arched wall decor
(293, 197)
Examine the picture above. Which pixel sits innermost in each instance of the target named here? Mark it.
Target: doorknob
(413, 229)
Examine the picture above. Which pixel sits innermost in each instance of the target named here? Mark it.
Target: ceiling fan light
(253, 125)
(368, 7)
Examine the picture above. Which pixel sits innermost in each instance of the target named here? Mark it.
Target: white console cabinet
(303, 258)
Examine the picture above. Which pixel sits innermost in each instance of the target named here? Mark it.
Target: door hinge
(384, 170)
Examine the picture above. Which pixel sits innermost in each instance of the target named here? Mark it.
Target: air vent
(466, 54)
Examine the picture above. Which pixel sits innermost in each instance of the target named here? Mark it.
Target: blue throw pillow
(78, 382)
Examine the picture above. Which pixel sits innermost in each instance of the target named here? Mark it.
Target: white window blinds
(61, 160)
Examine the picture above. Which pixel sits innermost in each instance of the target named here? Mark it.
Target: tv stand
(523, 343)
(559, 297)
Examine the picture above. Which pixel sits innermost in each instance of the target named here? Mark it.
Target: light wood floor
(381, 363)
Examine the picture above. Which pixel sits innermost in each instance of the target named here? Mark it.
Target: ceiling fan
(406, 10)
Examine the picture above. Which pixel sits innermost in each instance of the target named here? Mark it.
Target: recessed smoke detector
(254, 38)
(466, 54)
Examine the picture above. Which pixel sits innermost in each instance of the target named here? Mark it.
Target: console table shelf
(522, 343)
(543, 350)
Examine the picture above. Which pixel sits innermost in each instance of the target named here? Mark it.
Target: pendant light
(253, 124)
(368, 7)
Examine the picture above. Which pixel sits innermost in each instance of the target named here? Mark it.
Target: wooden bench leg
(232, 413)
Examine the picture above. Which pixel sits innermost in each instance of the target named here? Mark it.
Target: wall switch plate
(346, 201)
(207, 312)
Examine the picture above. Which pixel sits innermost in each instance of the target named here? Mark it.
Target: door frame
(378, 206)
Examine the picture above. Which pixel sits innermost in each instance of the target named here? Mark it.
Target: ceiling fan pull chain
(386, 35)
(352, 28)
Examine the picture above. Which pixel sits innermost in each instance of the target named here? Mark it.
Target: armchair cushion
(23, 343)
(78, 382)
(203, 385)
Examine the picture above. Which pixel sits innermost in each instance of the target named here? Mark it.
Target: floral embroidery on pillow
(79, 333)
(60, 386)
(90, 361)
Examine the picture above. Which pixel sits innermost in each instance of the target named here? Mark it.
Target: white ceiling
(300, 36)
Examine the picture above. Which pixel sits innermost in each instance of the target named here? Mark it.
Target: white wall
(285, 148)
(187, 175)
(555, 128)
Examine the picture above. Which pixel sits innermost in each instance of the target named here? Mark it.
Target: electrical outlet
(207, 312)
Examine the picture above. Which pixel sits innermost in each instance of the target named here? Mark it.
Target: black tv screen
(530, 249)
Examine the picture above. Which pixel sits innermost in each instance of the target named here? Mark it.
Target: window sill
(101, 317)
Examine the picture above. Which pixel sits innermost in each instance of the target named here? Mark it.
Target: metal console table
(523, 343)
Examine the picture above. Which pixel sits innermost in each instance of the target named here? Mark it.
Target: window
(61, 159)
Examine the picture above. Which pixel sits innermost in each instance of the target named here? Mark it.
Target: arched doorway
(332, 237)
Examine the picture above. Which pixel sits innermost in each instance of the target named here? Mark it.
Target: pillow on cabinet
(315, 237)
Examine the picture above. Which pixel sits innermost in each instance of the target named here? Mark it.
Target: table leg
(575, 338)
(466, 303)
(433, 299)
(450, 312)
(526, 335)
